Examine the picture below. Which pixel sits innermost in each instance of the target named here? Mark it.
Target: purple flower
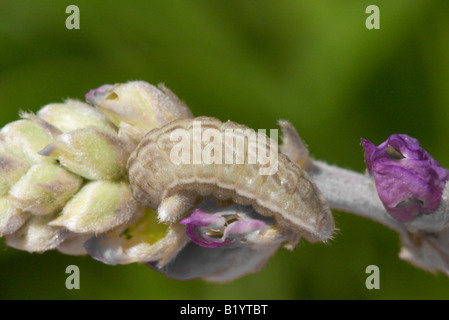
(227, 242)
(217, 230)
(408, 180)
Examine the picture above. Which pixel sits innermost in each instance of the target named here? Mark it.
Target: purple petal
(396, 185)
(203, 240)
(408, 180)
(198, 222)
(243, 227)
(201, 218)
(210, 230)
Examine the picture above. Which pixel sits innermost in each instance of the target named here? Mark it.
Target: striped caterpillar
(160, 180)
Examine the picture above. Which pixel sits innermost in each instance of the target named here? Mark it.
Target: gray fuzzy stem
(356, 193)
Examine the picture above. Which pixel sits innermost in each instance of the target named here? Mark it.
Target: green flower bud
(11, 218)
(137, 107)
(73, 115)
(36, 235)
(98, 207)
(45, 159)
(44, 189)
(90, 153)
(25, 138)
(11, 169)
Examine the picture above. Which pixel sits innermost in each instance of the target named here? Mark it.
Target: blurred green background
(311, 62)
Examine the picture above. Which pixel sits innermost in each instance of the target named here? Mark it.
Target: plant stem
(351, 192)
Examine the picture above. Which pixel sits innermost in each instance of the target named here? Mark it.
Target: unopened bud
(25, 138)
(98, 207)
(11, 218)
(73, 115)
(44, 189)
(138, 107)
(11, 169)
(90, 153)
(36, 235)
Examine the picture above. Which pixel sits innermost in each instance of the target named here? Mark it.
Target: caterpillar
(172, 184)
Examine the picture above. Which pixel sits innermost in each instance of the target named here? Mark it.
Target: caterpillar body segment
(175, 165)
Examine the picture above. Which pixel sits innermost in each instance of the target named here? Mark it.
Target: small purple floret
(408, 180)
(215, 230)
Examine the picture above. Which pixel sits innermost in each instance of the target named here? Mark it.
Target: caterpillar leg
(172, 207)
